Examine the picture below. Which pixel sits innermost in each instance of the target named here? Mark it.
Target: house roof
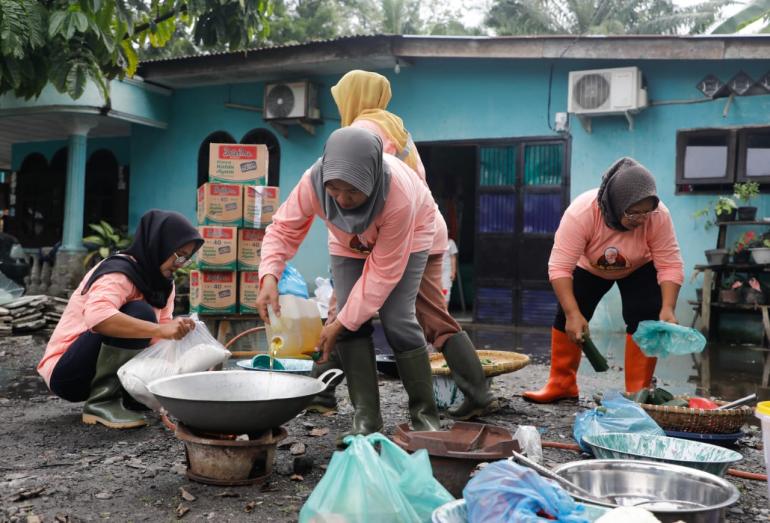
(383, 51)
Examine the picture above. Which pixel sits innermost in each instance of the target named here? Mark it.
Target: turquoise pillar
(74, 196)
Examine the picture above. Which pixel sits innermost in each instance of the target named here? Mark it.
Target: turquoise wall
(453, 100)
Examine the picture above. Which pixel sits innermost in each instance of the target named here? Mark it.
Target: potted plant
(717, 256)
(761, 253)
(731, 290)
(752, 293)
(107, 240)
(745, 192)
(724, 210)
(741, 249)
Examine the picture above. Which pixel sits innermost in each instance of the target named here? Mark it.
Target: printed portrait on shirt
(612, 259)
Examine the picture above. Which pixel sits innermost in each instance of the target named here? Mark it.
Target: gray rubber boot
(463, 362)
(105, 402)
(414, 369)
(357, 356)
(326, 401)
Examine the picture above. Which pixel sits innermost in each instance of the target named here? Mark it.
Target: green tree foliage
(754, 11)
(579, 17)
(68, 42)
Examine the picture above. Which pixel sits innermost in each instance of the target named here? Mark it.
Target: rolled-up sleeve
(291, 223)
(105, 298)
(569, 245)
(664, 248)
(383, 268)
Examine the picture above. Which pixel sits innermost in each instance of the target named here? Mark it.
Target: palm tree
(580, 17)
(753, 11)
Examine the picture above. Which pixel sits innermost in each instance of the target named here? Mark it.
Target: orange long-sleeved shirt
(85, 311)
(584, 240)
(405, 225)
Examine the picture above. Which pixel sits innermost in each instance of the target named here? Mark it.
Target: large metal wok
(237, 401)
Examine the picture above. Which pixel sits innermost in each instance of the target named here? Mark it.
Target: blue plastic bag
(507, 492)
(616, 414)
(415, 476)
(292, 282)
(660, 339)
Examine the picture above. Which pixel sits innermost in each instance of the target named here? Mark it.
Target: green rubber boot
(105, 403)
(463, 362)
(360, 368)
(414, 369)
(326, 401)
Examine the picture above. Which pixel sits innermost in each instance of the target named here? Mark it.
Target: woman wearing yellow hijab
(362, 98)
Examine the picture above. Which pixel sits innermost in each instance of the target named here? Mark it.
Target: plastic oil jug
(296, 332)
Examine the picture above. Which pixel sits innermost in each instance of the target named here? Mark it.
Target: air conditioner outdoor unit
(606, 91)
(291, 101)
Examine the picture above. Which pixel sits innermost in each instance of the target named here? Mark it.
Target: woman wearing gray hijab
(620, 233)
(380, 219)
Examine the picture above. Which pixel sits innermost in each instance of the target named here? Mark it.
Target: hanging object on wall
(603, 92)
(294, 103)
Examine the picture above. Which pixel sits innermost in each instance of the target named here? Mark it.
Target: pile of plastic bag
(364, 485)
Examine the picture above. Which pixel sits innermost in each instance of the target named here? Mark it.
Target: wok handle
(334, 373)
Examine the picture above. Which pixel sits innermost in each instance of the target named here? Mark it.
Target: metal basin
(671, 492)
(694, 454)
(457, 512)
(237, 401)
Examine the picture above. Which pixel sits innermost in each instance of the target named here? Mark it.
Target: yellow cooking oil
(298, 328)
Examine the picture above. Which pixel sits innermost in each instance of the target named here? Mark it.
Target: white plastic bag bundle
(529, 441)
(198, 351)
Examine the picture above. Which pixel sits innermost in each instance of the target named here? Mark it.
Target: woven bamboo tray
(504, 362)
(684, 419)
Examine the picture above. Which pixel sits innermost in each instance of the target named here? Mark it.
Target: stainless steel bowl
(237, 401)
(671, 492)
(457, 512)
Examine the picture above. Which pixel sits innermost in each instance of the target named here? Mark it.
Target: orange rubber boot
(639, 368)
(562, 382)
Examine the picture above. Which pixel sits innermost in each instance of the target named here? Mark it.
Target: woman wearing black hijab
(119, 307)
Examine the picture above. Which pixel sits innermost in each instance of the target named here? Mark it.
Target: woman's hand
(268, 295)
(176, 329)
(576, 327)
(328, 339)
(667, 314)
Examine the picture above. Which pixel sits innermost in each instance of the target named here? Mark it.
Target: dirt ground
(54, 468)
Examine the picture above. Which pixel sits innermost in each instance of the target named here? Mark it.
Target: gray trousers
(397, 313)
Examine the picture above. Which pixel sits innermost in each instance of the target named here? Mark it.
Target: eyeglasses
(182, 261)
(639, 216)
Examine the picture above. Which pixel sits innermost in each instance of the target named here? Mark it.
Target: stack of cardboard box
(234, 208)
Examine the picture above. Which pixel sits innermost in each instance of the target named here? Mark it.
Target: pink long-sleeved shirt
(441, 239)
(405, 225)
(585, 241)
(85, 311)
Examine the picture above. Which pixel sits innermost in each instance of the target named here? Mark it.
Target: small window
(754, 155)
(705, 157)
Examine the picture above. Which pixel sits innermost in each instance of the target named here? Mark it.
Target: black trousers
(639, 293)
(73, 373)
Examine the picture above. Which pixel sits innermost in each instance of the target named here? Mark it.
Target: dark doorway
(506, 197)
(106, 196)
(38, 209)
(263, 136)
(450, 171)
(203, 153)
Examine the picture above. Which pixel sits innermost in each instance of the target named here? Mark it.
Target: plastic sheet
(509, 493)
(616, 414)
(9, 289)
(661, 339)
